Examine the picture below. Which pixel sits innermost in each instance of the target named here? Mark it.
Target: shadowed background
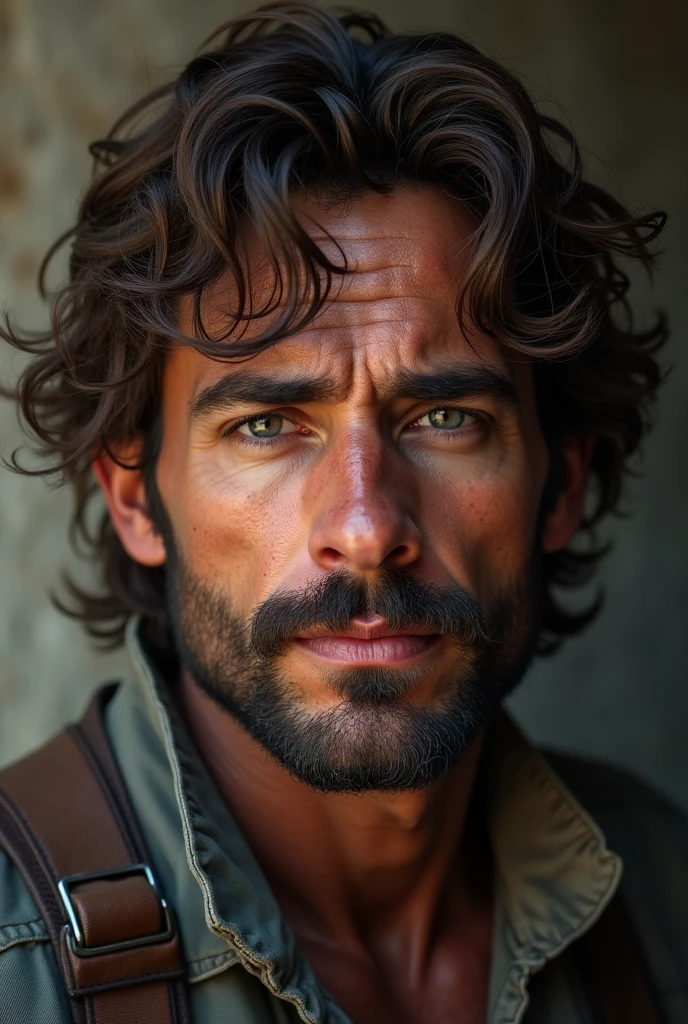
(68, 67)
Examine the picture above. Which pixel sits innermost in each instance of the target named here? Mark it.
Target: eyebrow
(450, 382)
(263, 389)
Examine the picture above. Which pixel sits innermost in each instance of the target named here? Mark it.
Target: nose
(362, 517)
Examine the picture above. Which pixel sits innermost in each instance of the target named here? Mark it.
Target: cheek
(485, 527)
(237, 532)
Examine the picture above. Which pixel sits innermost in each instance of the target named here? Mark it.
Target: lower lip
(387, 650)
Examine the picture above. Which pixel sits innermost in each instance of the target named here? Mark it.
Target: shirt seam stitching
(212, 956)
(21, 924)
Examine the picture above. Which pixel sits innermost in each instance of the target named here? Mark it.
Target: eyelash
(482, 419)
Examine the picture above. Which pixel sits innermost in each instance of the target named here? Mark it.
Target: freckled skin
(389, 895)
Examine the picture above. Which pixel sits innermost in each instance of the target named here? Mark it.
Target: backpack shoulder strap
(610, 962)
(66, 822)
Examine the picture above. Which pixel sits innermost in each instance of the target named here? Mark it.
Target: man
(341, 348)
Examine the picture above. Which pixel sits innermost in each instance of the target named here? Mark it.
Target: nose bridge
(360, 461)
(363, 520)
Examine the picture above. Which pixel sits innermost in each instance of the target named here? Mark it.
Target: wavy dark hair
(291, 98)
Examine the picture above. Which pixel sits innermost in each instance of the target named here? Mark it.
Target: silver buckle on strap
(75, 935)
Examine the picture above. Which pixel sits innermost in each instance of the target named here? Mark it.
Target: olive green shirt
(555, 874)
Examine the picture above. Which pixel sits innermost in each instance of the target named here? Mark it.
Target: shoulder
(30, 984)
(624, 805)
(650, 834)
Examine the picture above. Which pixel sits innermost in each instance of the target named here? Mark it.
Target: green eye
(268, 424)
(446, 419)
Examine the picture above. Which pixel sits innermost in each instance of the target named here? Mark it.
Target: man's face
(352, 536)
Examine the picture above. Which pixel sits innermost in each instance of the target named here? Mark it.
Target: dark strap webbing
(66, 822)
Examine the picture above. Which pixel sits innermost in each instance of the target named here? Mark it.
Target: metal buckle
(75, 935)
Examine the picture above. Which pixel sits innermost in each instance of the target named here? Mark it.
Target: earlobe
(565, 516)
(125, 497)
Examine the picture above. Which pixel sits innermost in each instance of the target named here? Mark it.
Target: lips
(387, 650)
(368, 642)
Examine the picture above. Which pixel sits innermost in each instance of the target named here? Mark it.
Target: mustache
(401, 599)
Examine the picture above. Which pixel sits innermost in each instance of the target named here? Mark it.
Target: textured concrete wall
(68, 66)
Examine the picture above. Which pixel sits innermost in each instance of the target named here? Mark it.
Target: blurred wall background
(68, 67)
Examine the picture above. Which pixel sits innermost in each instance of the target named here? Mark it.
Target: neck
(347, 870)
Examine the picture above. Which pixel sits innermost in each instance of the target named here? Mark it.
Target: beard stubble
(373, 739)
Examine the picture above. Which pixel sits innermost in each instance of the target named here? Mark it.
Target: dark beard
(373, 739)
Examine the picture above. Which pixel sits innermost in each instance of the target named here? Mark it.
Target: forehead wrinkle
(415, 329)
(403, 280)
(422, 243)
(370, 305)
(352, 321)
(382, 266)
(396, 280)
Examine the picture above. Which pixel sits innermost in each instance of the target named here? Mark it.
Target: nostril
(401, 551)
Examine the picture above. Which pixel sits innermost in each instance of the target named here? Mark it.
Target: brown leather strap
(612, 967)
(64, 812)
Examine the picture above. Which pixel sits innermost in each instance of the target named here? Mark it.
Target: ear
(567, 511)
(125, 498)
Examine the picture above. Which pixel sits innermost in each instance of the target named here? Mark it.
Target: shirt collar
(554, 873)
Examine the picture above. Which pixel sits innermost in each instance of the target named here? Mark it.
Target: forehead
(406, 256)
